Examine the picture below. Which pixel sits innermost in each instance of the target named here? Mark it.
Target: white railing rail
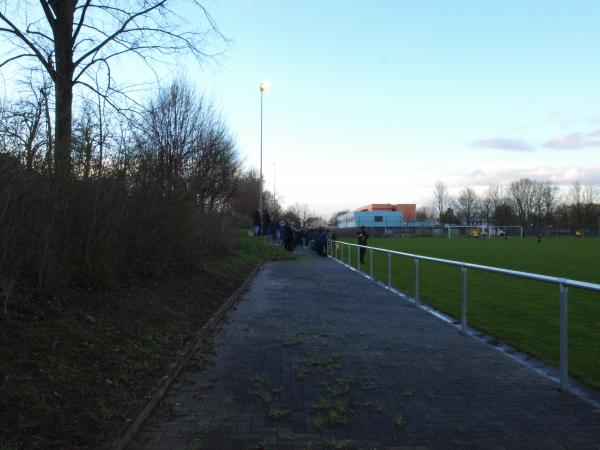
(563, 283)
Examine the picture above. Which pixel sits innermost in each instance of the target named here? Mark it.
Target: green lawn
(523, 313)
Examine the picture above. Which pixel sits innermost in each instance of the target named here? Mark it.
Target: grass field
(523, 313)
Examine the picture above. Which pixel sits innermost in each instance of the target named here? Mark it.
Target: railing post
(389, 271)
(463, 314)
(336, 250)
(371, 262)
(416, 281)
(358, 258)
(349, 256)
(564, 337)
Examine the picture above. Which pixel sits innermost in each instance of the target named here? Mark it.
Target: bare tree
(302, 212)
(467, 204)
(441, 197)
(22, 125)
(576, 199)
(521, 194)
(333, 220)
(186, 149)
(490, 200)
(425, 213)
(590, 208)
(72, 40)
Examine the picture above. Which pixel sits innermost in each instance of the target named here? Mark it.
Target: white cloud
(575, 141)
(512, 145)
(559, 175)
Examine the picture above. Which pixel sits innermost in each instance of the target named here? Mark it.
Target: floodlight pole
(263, 87)
(260, 199)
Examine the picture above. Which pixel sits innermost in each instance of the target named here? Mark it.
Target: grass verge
(75, 369)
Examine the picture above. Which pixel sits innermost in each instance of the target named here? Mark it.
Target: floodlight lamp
(264, 86)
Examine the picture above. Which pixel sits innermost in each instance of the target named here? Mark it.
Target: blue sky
(374, 101)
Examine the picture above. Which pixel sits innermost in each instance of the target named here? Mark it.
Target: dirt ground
(75, 369)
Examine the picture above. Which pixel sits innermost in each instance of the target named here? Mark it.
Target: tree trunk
(49, 153)
(63, 86)
(63, 124)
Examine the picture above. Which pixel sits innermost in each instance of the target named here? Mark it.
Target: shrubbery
(157, 194)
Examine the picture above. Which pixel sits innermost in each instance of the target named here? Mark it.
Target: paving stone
(308, 330)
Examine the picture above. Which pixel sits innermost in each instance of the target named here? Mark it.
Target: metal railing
(563, 283)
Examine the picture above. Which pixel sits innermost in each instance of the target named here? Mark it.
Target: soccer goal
(456, 231)
(515, 231)
(491, 231)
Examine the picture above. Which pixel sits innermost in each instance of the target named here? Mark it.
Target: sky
(374, 101)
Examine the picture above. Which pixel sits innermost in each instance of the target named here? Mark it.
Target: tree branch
(14, 30)
(48, 12)
(81, 19)
(9, 60)
(118, 32)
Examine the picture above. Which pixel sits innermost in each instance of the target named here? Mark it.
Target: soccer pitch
(522, 313)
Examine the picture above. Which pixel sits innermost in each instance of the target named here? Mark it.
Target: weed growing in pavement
(276, 414)
(336, 417)
(265, 389)
(320, 423)
(284, 433)
(322, 404)
(302, 374)
(342, 385)
(265, 396)
(368, 384)
(399, 421)
(260, 445)
(322, 362)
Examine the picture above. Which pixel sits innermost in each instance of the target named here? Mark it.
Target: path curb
(159, 390)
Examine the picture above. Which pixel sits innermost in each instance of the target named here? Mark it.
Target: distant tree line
(535, 205)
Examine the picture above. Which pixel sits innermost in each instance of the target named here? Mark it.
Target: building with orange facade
(408, 210)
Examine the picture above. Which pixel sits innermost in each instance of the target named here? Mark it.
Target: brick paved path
(316, 356)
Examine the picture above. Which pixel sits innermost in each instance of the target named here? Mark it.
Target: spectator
(256, 223)
(362, 240)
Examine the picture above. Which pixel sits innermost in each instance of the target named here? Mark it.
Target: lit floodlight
(264, 86)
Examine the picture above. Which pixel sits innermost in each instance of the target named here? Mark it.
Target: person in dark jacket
(288, 238)
(362, 240)
(266, 223)
(323, 242)
(256, 223)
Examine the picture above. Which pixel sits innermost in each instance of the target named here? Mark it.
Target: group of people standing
(322, 235)
(277, 230)
(289, 236)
